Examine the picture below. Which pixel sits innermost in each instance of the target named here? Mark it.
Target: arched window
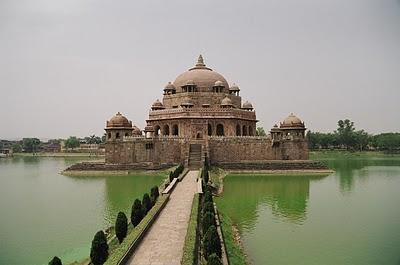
(238, 132)
(199, 136)
(244, 131)
(126, 134)
(209, 130)
(250, 131)
(166, 130)
(117, 135)
(220, 130)
(157, 130)
(175, 129)
(109, 135)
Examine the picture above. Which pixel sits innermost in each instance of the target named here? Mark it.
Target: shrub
(171, 176)
(211, 242)
(136, 214)
(207, 196)
(146, 203)
(154, 193)
(99, 249)
(213, 259)
(207, 221)
(206, 176)
(121, 226)
(208, 207)
(55, 261)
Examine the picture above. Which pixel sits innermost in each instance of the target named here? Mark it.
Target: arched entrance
(238, 132)
(175, 130)
(166, 130)
(220, 130)
(209, 130)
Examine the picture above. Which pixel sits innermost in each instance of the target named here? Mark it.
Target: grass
(119, 251)
(234, 249)
(190, 247)
(329, 154)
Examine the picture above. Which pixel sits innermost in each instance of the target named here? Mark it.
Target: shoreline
(58, 155)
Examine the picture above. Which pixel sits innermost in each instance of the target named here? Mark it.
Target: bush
(213, 259)
(206, 176)
(136, 214)
(211, 242)
(99, 249)
(208, 207)
(171, 176)
(207, 221)
(208, 196)
(146, 203)
(55, 261)
(121, 226)
(154, 193)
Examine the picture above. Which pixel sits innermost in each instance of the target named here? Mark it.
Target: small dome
(292, 121)
(157, 105)
(247, 105)
(234, 87)
(219, 84)
(169, 86)
(119, 121)
(136, 131)
(226, 102)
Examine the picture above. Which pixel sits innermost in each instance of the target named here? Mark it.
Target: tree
(137, 213)
(213, 259)
(362, 139)
(345, 132)
(206, 176)
(72, 142)
(55, 261)
(93, 139)
(208, 220)
(146, 203)
(211, 242)
(99, 249)
(31, 145)
(208, 207)
(121, 226)
(207, 196)
(260, 131)
(16, 148)
(154, 193)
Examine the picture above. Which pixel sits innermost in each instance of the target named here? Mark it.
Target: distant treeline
(347, 137)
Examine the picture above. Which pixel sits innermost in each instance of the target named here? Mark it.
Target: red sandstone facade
(200, 117)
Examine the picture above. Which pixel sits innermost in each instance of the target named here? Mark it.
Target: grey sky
(67, 66)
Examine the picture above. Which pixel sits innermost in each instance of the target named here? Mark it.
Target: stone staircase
(195, 156)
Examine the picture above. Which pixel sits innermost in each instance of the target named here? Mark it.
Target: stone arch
(209, 129)
(250, 131)
(238, 131)
(157, 130)
(175, 130)
(199, 135)
(244, 131)
(117, 135)
(220, 130)
(109, 135)
(166, 130)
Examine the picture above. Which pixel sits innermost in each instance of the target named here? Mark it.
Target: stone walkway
(163, 244)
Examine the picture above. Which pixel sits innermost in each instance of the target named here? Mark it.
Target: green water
(349, 217)
(43, 213)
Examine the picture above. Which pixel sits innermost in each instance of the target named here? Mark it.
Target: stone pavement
(163, 244)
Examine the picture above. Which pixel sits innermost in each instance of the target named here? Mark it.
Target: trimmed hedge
(118, 253)
(191, 245)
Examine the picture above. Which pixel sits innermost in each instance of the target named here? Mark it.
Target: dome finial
(200, 61)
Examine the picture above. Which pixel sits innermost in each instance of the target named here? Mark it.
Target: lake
(44, 214)
(349, 217)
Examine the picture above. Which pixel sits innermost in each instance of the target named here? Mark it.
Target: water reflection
(287, 196)
(348, 169)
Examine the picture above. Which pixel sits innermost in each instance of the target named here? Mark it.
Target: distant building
(201, 117)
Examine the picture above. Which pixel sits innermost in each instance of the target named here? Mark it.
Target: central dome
(203, 77)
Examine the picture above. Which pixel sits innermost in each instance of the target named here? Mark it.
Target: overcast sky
(67, 66)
